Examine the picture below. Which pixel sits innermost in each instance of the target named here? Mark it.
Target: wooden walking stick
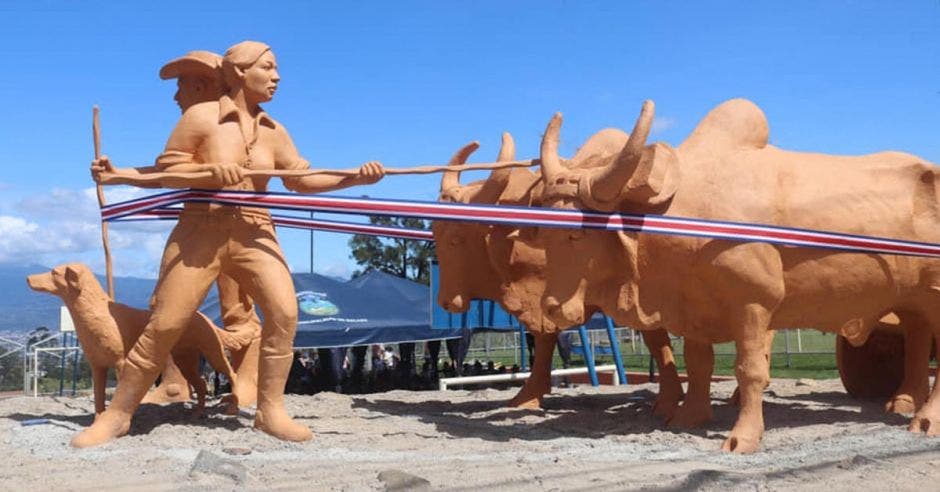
(96, 135)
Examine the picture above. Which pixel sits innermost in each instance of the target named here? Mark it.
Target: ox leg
(696, 408)
(539, 383)
(916, 384)
(670, 389)
(927, 418)
(753, 374)
(768, 351)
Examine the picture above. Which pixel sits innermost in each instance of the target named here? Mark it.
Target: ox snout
(563, 314)
(41, 282)
(454, 304)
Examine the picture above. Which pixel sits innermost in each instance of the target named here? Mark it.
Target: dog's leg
(99, 381)
(188, 362)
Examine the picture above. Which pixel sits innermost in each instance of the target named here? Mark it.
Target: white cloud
(663, 123)
(25, 241)
(63, 225)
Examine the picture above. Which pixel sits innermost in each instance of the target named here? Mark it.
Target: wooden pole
(110, 178)
(96, 135)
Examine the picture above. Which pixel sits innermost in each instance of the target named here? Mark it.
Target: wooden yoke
(112, 178)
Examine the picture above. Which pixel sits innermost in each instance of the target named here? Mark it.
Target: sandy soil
(586, 439)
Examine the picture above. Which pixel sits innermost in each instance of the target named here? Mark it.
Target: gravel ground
(586, 439)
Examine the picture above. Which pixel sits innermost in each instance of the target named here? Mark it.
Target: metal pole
(311, 245)
(786, 338)
(74, 367)
(615, 349)
(62, 366)
(35, 373)
(25, 372)
(588, 355)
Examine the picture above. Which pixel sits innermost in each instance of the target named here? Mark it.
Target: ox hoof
(741, 443)
(525, 402)
(105, 428)
(901, 404)
(666, 406)
(531, 395)
(925, 424)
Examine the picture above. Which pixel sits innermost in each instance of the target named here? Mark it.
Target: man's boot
(116, 420)
(271, 416)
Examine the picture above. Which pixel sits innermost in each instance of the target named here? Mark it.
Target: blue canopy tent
(373, 308)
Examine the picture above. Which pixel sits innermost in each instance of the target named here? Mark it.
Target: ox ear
(656, 176)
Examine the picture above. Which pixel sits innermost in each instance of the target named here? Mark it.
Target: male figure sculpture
(198, 77)
(225, 137)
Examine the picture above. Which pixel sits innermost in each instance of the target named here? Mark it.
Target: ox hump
(600, 149)
(732, 125)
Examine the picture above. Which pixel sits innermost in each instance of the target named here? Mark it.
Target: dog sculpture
(107, 330)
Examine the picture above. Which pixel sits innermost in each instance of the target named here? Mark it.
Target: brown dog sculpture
(107, 330)
(711, 290)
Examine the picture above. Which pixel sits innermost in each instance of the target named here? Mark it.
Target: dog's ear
(72, 278)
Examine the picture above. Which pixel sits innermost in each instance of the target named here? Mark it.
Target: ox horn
(450, 180)
(551, 163)
(498, 179)
(607, 184)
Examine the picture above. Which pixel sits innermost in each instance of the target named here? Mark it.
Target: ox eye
(456, 241)
(576, 235)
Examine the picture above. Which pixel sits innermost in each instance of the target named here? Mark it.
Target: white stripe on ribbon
(172, 213)
(529, 216)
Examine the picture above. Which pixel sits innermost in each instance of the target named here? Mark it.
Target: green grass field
(816, 361)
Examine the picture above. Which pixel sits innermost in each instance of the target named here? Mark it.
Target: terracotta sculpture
(107, 330)
(224, 137)
(506, 264)
(198, 76)
(715, 290)
(893, 363)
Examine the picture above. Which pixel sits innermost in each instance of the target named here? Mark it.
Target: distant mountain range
(23, 309)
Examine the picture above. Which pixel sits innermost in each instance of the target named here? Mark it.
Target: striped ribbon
(527, 216)
(173, 213)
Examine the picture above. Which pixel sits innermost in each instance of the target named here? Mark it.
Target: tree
(406, 258)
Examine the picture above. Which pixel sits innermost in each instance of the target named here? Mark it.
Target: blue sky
(407, 83)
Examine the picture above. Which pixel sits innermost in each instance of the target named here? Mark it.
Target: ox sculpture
(712, 290)
(505, 264)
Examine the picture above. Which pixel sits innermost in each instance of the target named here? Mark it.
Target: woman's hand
(370, 172)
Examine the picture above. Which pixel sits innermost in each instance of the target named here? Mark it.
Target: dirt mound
(587, 438)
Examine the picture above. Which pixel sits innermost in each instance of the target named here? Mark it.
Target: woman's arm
(287, 157)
